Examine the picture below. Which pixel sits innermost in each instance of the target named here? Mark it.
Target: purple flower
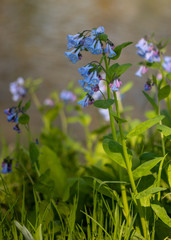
(67, 96)
(148, 86)
(17, 89)
(141, 70)
(12, 115)
(167, 64)
(148, 51)
(6, 165)
(16, 128)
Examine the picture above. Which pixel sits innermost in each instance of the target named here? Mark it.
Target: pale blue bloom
(85, 70)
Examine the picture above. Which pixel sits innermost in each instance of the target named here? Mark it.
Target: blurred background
(33, 41)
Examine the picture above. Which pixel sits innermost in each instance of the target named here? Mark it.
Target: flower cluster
(67, 96)
(18, 89)
(91, 41)
(13, 116)
(6, 165)
(148, 51)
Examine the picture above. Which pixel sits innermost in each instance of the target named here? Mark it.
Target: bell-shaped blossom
(100, 30)
(141, 70)
(84, 71)
(116, 85)
(16, 128)
(91, 48)
(88, 100)
(73, 41)
(88, 41)
(12, 115)
(74, 55)
(67, 96)
(17, 89)
(111, 52)
(98, 48)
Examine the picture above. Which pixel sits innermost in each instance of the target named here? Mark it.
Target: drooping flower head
(148, 51)
(115, 85)
(67, 96)
(142, 70)
(17, 89)
(87, 100)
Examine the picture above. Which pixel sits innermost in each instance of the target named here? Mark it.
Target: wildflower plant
(97, 42)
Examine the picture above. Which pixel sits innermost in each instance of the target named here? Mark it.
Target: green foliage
(103, 103)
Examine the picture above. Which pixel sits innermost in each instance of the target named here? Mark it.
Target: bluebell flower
(72, 41)
(111, 52)
(88, 41)
(88, 100)
(98, 49)
(85, 70)
(67, 96)
(141, 70)
(74, 55)
(115, 85)
(12, 115)
(100, 30)
(16, 128)
(95, 79)
(91, 48)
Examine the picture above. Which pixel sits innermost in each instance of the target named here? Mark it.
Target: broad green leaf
(112, 70)
(165, 130)
(164, 92)
(24, 119)
(149, 191)
(154, 65)
(49, 160)
(27, 105)
(151, 100)
(144, 169)
(115, 151)
(121, 69)
(168, 76)
(34, 153)
(161, 213)
(126, 87)
(142, 127)
(118, 49)
(45, 184)
(38, 233)
(103, 103)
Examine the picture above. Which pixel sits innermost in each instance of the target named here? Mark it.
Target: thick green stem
(129, 170)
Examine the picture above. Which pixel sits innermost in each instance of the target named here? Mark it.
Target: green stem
(129, 170)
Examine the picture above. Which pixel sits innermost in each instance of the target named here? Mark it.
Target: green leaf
(24, 119)
(142, 127)
(168, 76)
(144, 169)
(27, 105)
(126, 87)
(45, 184)
(121, 69)
(169, 174)
(49, 160)
(34, 153)
(149, 191)
(103, 103)
(154, 65)
(38, 233)
(164, 92)
(103, 37)
(161, 213)
(118, 49)
(151, 100)
(165, 130)
(115, 151)
(112, 70)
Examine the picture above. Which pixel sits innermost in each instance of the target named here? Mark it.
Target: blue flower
(98, 49)
(88, 41)
(100, 30)
(74, 56)
(111, 52)
(16, 128)
(67, 96)
(141, 70)
(167, 64)
(72, 41)
(88, 100)
(95, 79)
(85, 70)
(91, 47)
